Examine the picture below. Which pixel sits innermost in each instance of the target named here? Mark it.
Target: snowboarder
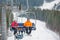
(28, 26)
(14, 26)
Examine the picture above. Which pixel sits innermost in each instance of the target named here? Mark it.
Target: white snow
(41, 33)
(49, 5)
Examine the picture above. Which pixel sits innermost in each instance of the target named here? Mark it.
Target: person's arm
(31, 24)
(16, 25)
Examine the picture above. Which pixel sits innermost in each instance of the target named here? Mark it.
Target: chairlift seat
(21, 26)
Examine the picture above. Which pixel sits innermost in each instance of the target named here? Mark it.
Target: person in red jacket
(14, 26)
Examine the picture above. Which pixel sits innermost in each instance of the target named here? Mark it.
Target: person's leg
(13, 28)
(27, 29)
(22, 33)
(30, 30)
(15, 31)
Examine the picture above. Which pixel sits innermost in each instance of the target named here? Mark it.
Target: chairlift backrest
(21, 24)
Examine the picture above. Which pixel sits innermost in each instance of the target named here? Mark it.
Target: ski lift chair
(22, 27)
(28, 15)
(18, 36)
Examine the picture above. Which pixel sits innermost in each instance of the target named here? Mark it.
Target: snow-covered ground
(41, 33)
(49, 5)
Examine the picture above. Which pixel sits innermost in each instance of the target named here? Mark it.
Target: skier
(14, 26)
(28, 26)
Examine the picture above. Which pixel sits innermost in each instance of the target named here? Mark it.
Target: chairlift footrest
(33, 28)
(19, 36)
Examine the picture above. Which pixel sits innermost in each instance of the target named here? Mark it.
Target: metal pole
(27, 6)
(12, 4)
(4, 25)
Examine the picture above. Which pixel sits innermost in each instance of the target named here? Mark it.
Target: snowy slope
(41, 33)
(49, 5)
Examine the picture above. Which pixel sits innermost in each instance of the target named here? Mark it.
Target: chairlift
(22, 18)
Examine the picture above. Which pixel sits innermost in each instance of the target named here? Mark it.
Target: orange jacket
(28, 24)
